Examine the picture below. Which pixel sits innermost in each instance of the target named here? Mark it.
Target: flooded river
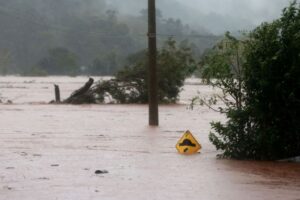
(52, 151)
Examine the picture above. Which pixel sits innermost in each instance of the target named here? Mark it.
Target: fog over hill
(99, 35)
(216, 16)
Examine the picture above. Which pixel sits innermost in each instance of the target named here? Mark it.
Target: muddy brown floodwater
(53, 151)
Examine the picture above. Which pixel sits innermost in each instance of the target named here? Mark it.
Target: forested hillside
(70, 37)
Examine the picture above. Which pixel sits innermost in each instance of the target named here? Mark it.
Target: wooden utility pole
(152, 69)
(57, 93)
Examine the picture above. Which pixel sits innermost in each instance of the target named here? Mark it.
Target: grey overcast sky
(216, 16)
(258, 10)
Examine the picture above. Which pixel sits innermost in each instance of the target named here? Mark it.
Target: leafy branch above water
(130, 85)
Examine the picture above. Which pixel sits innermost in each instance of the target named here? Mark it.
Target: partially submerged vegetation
(130, 85)
(260, 81)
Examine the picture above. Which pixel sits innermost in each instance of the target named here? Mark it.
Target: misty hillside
(94, 35)
(215, 16)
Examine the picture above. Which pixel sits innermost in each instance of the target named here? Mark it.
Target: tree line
(63, 37)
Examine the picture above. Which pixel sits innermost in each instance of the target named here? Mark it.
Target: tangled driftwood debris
(80, 96)
(115, 90)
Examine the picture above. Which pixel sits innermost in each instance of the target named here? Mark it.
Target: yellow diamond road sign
(188, 144)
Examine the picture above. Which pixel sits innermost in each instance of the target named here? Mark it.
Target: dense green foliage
(266, 124)
(222, 67)
(174, 64)
(100, 38)
(273, 85)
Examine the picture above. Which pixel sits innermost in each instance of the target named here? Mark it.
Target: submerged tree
(263, 120)
(272, 85)
(175, 64)
(223, 68)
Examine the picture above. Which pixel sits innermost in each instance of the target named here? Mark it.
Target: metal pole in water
(152, 68)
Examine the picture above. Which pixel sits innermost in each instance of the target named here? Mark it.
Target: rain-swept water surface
(52, 151)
